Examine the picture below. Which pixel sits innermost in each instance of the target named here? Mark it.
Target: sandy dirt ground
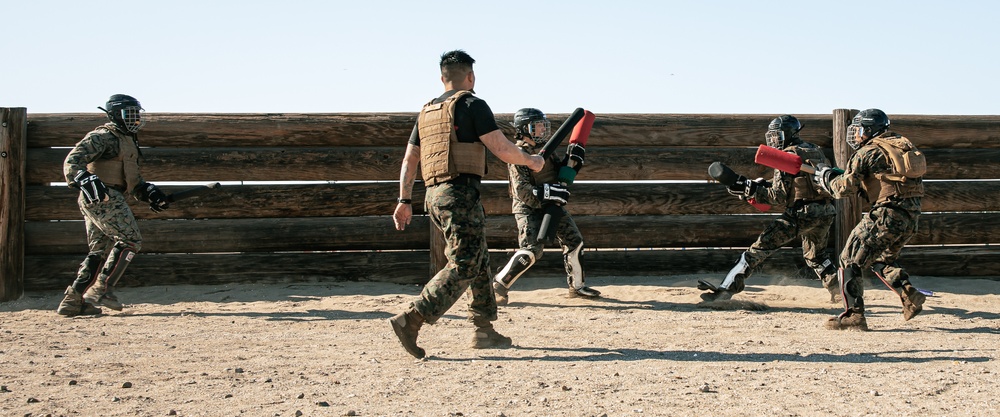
(648, 348)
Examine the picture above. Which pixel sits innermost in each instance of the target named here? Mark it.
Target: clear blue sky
(649, 56)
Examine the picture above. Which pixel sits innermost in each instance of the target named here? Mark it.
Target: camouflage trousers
(812, 224)
(567, 233)
(457, 211)
(879, 238)
(108, 223)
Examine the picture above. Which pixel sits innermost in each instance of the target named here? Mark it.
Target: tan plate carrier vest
(442, 156)
(122, 170)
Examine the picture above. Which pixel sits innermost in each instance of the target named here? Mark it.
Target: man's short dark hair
(456, 64)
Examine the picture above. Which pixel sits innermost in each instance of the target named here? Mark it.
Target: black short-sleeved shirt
(473, 118)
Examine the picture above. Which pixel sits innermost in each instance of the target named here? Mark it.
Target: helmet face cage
(538, 130)
(781, 130)
(855, 135)
(532, 123)
(775, 138)
(866, 125)
(132, 118)
(126, 112)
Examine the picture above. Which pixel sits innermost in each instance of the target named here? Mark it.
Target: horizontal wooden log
(948, 132)
(378, 233)
(225, 130)
(683, 130)
(379, 199)
(604, 267)
(194, 130)
(393, 129)
(243, 164)
(957, 229)
(242, 235)
(376, 199)
(382, 163)
(243, 201)
(58, 271)
(946, 196)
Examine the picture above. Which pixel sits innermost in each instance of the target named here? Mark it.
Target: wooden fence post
(13, 150)
(438, 260)
(848, 208)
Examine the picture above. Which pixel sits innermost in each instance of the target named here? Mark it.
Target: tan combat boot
(100, 294)
(73, 305)
(913, 301)
(407, 326)
(848, 320)
(485, 337)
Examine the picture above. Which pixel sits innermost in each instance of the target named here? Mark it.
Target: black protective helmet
(532, 123)
(866, 125)
(782, 131)
(125, 112)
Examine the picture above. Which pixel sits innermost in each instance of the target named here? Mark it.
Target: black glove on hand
(745, 188)
(575, 154)
(92, 187)
(752, 187)
(156, 198)
(554, 193)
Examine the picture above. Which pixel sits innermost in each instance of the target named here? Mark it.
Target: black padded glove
(752, 187)
(157, 199)
(746, 188)
(575, 154)
(552, 193)
(91, 186)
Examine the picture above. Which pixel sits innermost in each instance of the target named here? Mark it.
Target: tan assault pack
(907, 161)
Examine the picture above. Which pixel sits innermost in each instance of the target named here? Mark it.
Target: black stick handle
(553, 214)
(191, 192)
(563, 131)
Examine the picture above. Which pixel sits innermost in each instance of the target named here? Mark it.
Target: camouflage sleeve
(777, 193)
(521, 186)
(89, 149)
(859, 167)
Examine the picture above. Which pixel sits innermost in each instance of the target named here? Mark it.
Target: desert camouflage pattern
(812, 223)
(808, 215)
(529, 210)
(880, 236)
(108, 223)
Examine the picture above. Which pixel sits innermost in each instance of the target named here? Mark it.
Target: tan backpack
(907, 161)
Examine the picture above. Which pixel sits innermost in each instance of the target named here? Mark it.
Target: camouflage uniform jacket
(100, 143)
(864, 165)
(522, 183)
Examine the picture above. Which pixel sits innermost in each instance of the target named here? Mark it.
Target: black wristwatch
(404, 201)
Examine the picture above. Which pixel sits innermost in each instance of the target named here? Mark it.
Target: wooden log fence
(309, 197)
